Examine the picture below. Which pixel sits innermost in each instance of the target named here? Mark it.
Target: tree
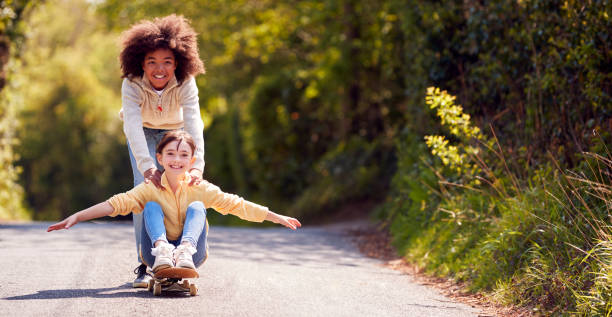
(12, 26)
(72, 148)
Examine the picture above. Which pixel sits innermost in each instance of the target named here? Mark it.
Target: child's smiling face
(159, 67)
(176, 158)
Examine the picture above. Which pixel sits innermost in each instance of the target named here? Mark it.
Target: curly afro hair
(172, 32)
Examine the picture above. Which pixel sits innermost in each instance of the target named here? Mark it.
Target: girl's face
(159, 67)
(176, 158)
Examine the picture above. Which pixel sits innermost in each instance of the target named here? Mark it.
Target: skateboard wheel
(157, 289)
(193, 290)
(150, 286)
(185, 284)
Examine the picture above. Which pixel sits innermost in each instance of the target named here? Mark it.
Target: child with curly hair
(159, 60)
(174, 234)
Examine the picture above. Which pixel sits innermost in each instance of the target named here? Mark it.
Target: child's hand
(196, 177)
(288, 222)
(64, 224)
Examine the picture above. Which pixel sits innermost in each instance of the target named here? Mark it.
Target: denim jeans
(195, 231)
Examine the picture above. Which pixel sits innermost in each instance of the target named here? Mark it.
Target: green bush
(533, 242)
(349, 173)
(72, 149)
(11, 192)
(12, 29)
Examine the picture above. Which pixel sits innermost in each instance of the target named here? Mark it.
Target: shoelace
(141, 270)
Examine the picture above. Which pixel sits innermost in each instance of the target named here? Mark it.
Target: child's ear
(193, 158)
(159, 157)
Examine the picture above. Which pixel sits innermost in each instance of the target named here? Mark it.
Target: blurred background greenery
(301, 100)
(318, 109)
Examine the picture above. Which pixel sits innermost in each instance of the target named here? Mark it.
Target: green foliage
(12, 28)
(530, 67)
(349, 173)
(597, 300)
(71, 146)
(277, 134)
(13, 14)
(522, 240)
(11, 193)
(458, 159)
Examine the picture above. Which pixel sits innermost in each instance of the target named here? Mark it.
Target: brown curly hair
(172, 32)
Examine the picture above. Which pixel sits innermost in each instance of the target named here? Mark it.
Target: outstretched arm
(288, 222)
(212, 196)
(100, 210)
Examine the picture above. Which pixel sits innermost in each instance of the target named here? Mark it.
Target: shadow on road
(122, 291)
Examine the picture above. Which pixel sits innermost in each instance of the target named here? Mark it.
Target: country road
(316, 271)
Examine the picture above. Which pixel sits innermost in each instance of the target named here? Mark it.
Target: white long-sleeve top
(177, 107)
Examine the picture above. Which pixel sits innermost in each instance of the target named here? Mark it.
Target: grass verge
(541, 240)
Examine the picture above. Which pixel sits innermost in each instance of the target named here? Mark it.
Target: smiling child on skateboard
(176, 229)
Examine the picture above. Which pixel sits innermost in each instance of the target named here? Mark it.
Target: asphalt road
(316, 271)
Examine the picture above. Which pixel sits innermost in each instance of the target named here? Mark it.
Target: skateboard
(171, 280)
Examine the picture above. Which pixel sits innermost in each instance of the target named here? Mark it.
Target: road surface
(315, 271)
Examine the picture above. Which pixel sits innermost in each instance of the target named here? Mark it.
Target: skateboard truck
(171, 280)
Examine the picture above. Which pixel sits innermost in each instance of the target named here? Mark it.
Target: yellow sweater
(175, 204)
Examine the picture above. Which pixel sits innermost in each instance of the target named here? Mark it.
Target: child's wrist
(272, 217)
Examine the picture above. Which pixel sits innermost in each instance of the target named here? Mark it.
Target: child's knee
(197, 208)
(197, 205)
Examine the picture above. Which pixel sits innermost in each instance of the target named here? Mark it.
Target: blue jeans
(195, 231)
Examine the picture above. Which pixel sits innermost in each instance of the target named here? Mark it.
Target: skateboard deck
(171, 280)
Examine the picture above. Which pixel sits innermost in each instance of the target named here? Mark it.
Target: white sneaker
(183, 256)
(163, 256)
